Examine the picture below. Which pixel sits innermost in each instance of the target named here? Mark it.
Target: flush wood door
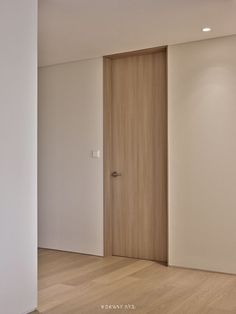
(136, 155)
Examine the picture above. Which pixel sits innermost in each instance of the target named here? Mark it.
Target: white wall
(70, 181)
(18, 140)
(202, 154)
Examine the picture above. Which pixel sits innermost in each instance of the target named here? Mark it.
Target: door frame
(107, 145)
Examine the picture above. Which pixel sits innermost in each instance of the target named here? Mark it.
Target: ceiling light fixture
(206, 29)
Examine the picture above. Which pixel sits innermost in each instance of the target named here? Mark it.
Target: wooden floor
(73, 283)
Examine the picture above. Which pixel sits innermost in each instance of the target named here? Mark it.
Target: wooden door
(138, 153)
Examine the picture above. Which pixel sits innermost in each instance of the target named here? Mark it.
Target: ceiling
(71, 30)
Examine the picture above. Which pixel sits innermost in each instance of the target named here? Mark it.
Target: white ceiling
(71, 30)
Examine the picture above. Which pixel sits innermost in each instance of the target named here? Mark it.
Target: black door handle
(115, 174)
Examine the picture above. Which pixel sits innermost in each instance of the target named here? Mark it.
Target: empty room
(118, 156)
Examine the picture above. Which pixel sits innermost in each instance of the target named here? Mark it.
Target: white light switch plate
(95, 153)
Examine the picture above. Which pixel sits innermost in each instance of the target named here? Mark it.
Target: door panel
(139, 153)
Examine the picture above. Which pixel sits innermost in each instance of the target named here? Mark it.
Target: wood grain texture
(72, 283)
(107, 149)
(136, 131)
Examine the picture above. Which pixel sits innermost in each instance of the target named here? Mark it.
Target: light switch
(95, 153)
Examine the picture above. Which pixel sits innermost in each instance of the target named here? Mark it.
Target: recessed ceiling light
(206, 29)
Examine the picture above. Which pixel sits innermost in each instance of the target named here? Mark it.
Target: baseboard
(66, 251)
(35, 311)
(202, 270)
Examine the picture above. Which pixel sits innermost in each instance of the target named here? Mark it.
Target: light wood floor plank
(72, 283)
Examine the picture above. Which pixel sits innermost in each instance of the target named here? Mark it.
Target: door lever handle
(115, 174)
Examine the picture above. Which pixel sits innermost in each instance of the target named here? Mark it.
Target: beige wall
(202, 154)
(70, 180)
(18, 156)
